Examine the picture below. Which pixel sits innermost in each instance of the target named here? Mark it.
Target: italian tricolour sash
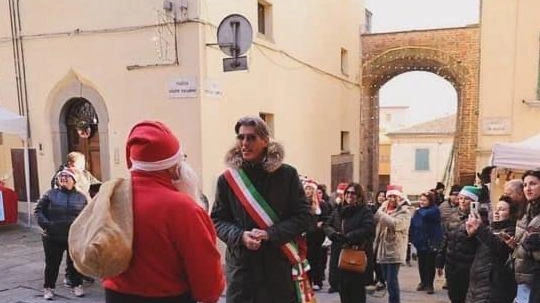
(264, 216)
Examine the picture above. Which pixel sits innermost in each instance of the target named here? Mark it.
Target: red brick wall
(452, 53)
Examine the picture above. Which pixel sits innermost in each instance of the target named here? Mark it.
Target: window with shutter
(421, 159)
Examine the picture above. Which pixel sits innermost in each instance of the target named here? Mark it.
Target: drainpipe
(23, 64)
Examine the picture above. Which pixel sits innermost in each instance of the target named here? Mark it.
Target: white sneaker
(48, 293)
(371, 288)
(78, 291)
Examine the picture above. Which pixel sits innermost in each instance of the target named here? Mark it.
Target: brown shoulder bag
(352, 259)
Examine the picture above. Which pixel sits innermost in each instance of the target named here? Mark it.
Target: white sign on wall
(213, 89)
(496, 126)
(183, 88)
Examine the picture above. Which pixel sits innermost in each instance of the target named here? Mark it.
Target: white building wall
(294, 75)
(509, 73)
(403, 162)
(116, 50)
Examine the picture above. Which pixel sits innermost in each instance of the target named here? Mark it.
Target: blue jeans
(390, 272)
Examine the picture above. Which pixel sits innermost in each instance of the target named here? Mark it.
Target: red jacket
(174, 245)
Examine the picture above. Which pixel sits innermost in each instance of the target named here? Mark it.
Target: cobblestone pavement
(22, 264)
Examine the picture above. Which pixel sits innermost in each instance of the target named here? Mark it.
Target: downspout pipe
(23, 79)
(14, 45)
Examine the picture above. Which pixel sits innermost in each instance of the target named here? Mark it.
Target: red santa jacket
(174, 245)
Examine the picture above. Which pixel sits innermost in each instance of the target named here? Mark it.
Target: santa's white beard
(188, 182)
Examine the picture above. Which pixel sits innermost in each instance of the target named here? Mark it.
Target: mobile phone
(502, 235)
(475, 206)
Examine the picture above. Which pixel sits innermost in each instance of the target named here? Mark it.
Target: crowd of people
(281, 230)
(485, 253)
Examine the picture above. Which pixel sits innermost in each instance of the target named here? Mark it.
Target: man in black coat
(257, 269)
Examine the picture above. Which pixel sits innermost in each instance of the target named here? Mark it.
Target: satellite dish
(234, 35)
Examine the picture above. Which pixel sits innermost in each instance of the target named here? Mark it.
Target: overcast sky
(429, 96)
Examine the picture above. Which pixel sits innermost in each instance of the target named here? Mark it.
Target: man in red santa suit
(175, 258)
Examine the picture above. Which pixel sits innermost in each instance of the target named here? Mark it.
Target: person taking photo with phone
(492, 278)
(458, 249)
(391, 237)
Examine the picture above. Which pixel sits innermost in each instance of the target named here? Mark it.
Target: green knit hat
(471, 192)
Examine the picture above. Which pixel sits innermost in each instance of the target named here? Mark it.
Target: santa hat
(151, 146)
(394, 189)
(471, 192)
(310, 183)
(67, 171)
(341, 188)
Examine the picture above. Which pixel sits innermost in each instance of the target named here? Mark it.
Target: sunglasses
(351, 192)
(248, 137)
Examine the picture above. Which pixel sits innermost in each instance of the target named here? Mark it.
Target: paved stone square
(22, 264)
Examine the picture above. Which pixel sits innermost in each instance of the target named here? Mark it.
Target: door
(341, 170)
(82, 133)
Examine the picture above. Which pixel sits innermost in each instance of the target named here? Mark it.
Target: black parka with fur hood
(262, 276)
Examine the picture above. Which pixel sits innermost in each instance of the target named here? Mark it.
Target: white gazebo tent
(511, 160)
(521, 155)
(12, 123)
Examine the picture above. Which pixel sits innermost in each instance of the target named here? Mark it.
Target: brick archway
(453, 54)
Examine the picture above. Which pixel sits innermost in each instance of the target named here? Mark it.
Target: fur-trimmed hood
(272, 160)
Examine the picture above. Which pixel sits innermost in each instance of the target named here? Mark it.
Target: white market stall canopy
(518, 155)
(12, 123)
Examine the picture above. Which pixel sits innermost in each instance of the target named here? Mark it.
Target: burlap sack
(100, 239)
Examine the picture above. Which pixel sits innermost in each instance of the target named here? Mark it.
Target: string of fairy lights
(380, 67)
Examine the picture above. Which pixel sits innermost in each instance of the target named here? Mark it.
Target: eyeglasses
(248, 137)
(350, 192)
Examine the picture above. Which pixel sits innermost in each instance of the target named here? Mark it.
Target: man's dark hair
(261, 129)
(439, 185)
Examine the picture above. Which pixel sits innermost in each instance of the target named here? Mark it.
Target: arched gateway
(453, 54)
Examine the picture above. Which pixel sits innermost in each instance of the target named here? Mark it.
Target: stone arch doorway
(453, 54)
(80, 121)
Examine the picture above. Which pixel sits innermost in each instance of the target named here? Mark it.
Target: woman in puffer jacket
(527, 242)
(491, 276)
(458, 249)
(55, 213)
(351, 224)
(426, 233)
